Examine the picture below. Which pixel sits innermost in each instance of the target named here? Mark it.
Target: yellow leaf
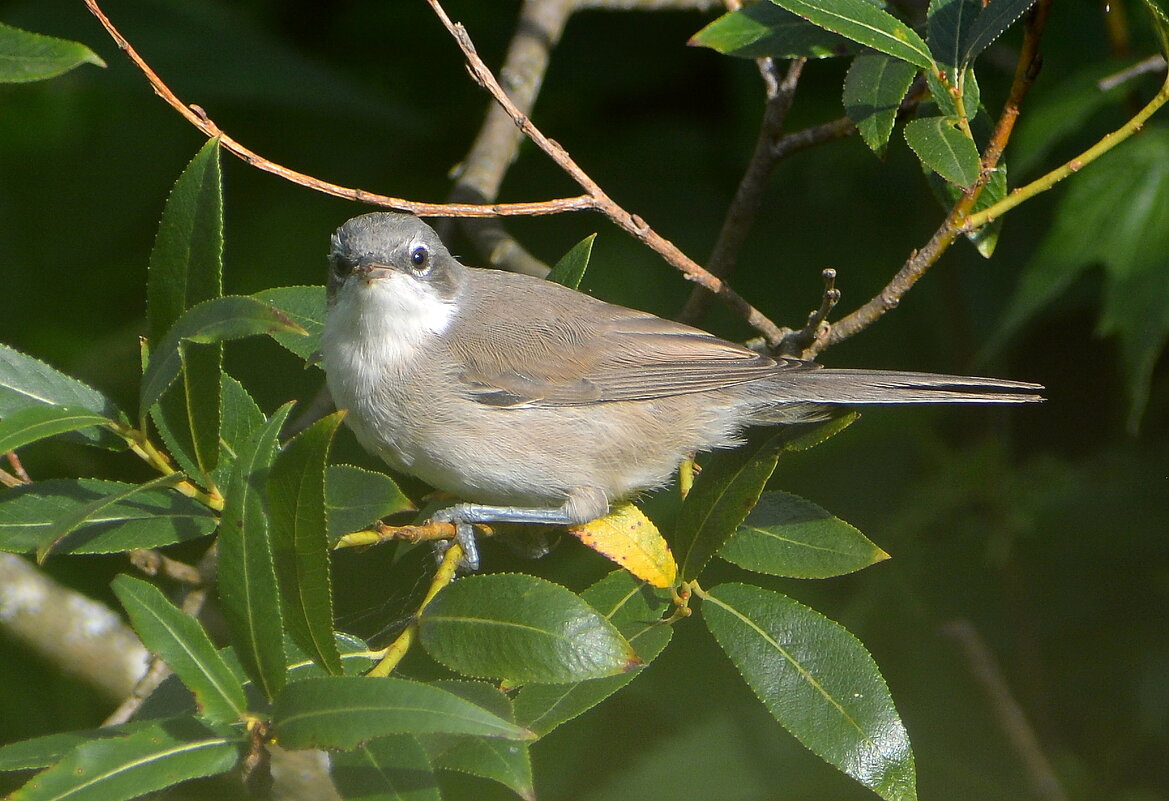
(630, 539)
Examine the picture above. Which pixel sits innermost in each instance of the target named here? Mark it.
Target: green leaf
(241, 419)
(942, 147)
(230, 317)
(504, 761)
(186, 264)
(25, 382)
(355, 498)
(720, 499)
(786, 535)
(818, 681)
(117, 768)
(305, 306)
(29, 515)
(247, 570)
(572, 265)
(948, 24)
(873, 90)
(864, 24)
(993, 18)
(636, 609)
(299, 535)
(1114, 215)
(523, 629)
(356, 658)
(91, 512)
(393, 768)
(26, 56)
(186, 268)
(41, 752)
(344, 711)
(34, 423)
(182, 643)
(761, 30)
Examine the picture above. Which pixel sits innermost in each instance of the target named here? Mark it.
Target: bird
(532, 402)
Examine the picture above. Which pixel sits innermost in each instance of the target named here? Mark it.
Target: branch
(538, 29)
(1011, 718)
(631, 223)
(84, 637)
(198, 117)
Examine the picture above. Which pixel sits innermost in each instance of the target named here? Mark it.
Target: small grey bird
(539, 404)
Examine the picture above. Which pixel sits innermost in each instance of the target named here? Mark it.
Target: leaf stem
(391, 656)
(141, 446)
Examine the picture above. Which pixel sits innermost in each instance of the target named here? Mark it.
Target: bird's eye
(342, 266)
(420, 258)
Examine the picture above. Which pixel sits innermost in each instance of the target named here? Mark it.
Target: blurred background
(1042, 529)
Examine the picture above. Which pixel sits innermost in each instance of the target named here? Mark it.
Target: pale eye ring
(420, 258)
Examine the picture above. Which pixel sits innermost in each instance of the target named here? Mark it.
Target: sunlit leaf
(230, 317)
(93, 512)
(523, 629)
(759, 30)
(30, 514)
(25, 382)
(818, 681)
(864, 24)
(945, 149)
(119, 768)
(299, 535)
(355, 498)
(184, 645)
(26, 56)
(786, 535)
(630, 539)
(636, 610)
(247, 570)
(873, 90)
(186, 268)
(572, 265)
(343, 711)
(305, 306)
(34, 423)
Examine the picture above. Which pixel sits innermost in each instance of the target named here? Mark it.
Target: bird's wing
(593, 352)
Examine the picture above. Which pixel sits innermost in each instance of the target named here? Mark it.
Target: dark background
(1042, 526)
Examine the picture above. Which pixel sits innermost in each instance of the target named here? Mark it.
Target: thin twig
(537, 31)
(198, 117)
(744, 209)
(18, 468)
(1011, 718)
(798, 342)
(631, 223)
(153, 562)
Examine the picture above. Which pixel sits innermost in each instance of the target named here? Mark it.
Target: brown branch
(538, 29)
(744, 209)
(920, 261)
(17, 468)
(1009, 714)
(631, 223)
(80, 635)
(198, 117)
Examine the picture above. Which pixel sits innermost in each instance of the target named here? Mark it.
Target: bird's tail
(818, 394)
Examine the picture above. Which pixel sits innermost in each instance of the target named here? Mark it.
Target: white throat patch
(385, 319)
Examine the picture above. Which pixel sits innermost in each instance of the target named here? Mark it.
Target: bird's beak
(371, 271)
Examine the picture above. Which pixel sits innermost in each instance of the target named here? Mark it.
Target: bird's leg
(580, 508)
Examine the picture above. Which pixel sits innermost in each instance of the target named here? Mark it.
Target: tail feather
(817, 394)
